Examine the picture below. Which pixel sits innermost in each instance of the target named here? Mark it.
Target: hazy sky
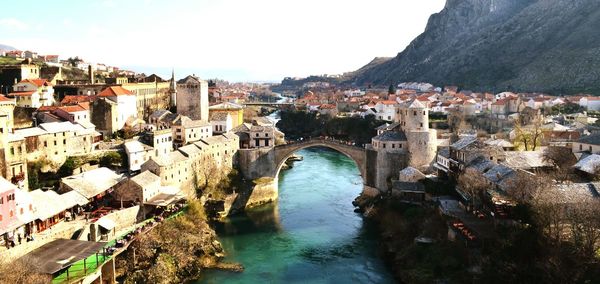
(229, 39)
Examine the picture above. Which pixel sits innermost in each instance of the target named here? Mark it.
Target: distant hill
(6, 47)
(520, 45)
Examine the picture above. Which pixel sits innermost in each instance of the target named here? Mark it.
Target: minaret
(173, 89)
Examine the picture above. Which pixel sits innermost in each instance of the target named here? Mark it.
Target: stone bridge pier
(262, 165)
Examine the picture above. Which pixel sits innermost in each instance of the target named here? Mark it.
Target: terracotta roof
(37, 82)
(4, 99)
(68, 100)
(388, 102)
(73, 108)
(47, 108)
(327, 106)
(22, 94)
(115, 91)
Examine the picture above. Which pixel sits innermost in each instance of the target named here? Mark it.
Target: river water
(311, 235)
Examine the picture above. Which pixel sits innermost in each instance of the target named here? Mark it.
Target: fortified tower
(413, 117)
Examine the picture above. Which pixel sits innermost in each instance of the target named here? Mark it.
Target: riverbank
(175, 251)
(414, 242)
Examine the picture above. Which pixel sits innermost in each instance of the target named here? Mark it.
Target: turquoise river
(311, 234)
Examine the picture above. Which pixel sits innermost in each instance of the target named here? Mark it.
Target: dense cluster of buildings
(172, 135)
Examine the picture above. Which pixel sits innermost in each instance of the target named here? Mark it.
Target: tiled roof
(391, 136)
(37, 82)
(593, 139)
(115, 91)
(22, 94)
(67, 100)
(463, 142)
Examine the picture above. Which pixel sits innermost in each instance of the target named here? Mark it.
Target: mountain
(6, 47)
(519, 45)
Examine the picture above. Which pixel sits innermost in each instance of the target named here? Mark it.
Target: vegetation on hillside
(299, 124)
(176, 251)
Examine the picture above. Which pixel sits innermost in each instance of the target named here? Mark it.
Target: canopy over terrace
(60, 254)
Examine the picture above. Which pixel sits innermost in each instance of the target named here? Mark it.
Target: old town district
(89, 159)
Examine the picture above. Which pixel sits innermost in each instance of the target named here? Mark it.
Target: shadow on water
(258, 220)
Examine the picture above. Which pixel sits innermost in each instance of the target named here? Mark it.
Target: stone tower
(413, 117)
(192, 98)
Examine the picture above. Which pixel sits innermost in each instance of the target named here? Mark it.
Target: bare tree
(562, 159)
(584, 221)
(474, 184)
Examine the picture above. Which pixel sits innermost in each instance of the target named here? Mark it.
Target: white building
(33, 93)
(137, 154)
(126, 103)
(221, 122)
(386, 110)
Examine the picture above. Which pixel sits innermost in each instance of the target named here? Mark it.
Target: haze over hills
(6, 47)
(520, 45)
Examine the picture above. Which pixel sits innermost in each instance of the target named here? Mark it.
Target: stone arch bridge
(357, 154)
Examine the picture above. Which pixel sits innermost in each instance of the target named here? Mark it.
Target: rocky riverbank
(176, 251)
(413, 241)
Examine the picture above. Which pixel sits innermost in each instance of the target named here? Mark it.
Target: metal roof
(62, 253)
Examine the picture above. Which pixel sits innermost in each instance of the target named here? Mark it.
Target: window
(415, 112)
(383, 145)
(12, 150)
(393, 145)
(54, 142)
(45, 143)
(421, 124)
(11, 213)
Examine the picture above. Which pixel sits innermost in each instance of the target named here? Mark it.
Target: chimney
(90, 74)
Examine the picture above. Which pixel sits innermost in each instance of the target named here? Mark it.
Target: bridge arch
(357, 154)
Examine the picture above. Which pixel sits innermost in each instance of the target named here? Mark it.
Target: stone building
(192, 98)
(150, 96)
(126, 105)
(253, 135)
(406, 142)
(221, 122)
(55, 141)
(467, 149)
(186, 167)
(186, 130)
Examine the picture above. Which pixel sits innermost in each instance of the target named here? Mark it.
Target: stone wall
(388, 166)
(257, 163)
(422, 146)
(265, 191)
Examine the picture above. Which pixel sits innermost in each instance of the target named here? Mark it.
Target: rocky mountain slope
(520, 45)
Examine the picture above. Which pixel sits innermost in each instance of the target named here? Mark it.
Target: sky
(235, 40)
